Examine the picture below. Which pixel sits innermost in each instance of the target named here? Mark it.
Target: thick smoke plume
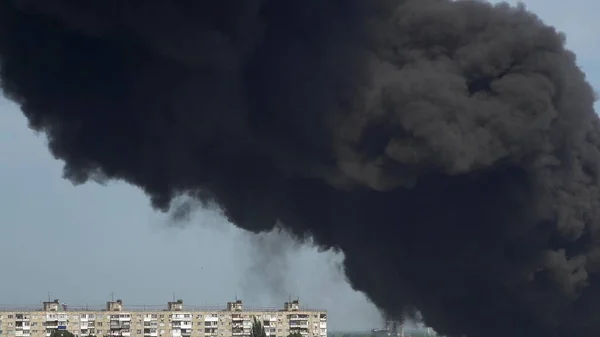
(449, 149)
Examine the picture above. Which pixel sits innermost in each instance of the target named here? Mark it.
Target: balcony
(120, 326)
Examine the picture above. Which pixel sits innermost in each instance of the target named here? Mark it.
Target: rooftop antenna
(173, 296)
(112, 297)
(49, 296)
(236, 297)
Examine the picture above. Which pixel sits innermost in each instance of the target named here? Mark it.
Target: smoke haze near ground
(269, 265)
(454, 140)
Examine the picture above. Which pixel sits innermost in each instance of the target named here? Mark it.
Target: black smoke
(449, 149)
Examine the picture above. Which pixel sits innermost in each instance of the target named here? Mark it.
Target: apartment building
(173, 321)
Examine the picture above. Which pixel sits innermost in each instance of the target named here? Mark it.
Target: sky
(84, 244)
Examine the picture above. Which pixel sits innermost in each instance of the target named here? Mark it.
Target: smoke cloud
(265, 280)
(449, 149)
